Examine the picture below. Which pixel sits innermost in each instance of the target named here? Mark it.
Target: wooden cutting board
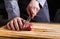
(39, 30)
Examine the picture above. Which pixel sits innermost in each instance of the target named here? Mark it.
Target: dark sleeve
(57, 16)
(12, 8)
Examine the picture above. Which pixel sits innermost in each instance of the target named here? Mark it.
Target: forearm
(12, 8)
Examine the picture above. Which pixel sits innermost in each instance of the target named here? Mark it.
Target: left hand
(33, 8)
(16, 24)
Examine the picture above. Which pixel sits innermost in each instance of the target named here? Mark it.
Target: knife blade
(27, 21)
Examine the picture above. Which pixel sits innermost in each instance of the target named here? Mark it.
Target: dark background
(53, 5)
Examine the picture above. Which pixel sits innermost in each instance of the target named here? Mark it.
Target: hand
(33, 8)
(16, 24)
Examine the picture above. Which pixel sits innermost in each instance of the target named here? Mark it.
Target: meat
(28, 27)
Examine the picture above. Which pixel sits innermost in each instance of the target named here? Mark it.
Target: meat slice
(28, 27)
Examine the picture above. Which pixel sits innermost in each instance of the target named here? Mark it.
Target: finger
(8, 26)
(28, 11)
(33, 12)
(16, 24)
(19, 20)
(20, 23)
(37, 9)
(23, 21)
(12, 26)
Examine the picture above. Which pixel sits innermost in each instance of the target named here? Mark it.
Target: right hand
(33, 8)
(15, 24)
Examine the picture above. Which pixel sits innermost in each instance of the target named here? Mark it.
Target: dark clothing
(53, 5)
(42, 16)
(3, 13)
(2, 9)
(12, 9)
(57, 16)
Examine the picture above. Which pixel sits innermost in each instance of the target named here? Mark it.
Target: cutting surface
(39, 30)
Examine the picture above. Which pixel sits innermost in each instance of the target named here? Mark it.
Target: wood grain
(39, 30)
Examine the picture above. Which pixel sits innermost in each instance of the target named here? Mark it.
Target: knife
(27, 21)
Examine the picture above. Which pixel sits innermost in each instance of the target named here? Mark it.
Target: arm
(12, 8)
(13, 13)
